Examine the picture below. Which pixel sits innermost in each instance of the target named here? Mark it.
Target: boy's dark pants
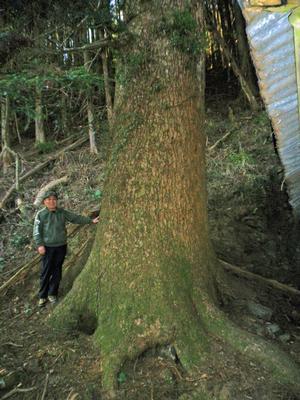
(51, 271)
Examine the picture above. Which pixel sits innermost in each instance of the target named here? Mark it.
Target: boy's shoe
(52, 299)
(42, 302)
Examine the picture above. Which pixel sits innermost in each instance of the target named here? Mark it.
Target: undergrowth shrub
(46, 147)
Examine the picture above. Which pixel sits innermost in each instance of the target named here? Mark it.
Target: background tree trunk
(90, 111)
(108, 96)
(5, 139)
(243, 49)
(65, 126)
(39, 121)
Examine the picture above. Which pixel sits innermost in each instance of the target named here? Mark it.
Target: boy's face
(51, 203)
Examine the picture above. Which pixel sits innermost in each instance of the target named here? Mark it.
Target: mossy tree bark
(150, 277)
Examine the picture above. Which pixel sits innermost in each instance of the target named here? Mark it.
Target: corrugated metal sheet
(271, 39)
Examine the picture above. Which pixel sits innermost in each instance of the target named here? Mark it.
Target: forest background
(61, 65)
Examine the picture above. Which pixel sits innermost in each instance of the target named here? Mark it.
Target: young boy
(50, 236)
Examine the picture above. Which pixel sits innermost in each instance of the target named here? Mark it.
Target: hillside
(252, 227)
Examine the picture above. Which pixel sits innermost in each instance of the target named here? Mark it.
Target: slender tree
(6, 155)
(90, 110)
(243, 48)
(107, 86)
(39, 119)
(228, 51)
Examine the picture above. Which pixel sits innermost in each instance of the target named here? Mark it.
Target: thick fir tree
(150, 278)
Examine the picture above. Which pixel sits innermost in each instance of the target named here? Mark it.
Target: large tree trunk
(150, 277)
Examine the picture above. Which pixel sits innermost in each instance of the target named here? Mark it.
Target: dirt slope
(251, 226)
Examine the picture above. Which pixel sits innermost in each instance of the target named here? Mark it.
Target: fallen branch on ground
(58, 144)
(11, 344)
(17, 275)
(17, 390)
(41, 166)
(258, 278)
(45, 387)
(44, 189)
(72, 395)
(77, 254)
(35, 261)
(219, 141)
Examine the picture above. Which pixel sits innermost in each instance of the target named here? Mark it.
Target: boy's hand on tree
(41, 250)
(96, 220)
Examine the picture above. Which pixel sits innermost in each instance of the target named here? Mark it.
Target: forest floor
(252, 227)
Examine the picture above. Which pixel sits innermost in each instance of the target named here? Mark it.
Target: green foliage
(183, 32)
(27, 309)
(81, 79)
(127, 124)
(97, 194)
(131, 65)
(21, 90)
(157, 87)
(46, 147)
(122, 377)
(19, 240)
(94, 194)
(2, 264)
(261, 120)
(21, 84)
(238, 167)
(240, 159)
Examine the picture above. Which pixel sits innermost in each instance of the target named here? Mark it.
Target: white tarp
(271, 39)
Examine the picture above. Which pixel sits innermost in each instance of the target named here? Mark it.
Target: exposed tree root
(192, 330)
(281, 368)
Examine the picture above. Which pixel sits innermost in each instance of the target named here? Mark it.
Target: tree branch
(36, 260)
(258, 278)
(235, 68)
(39, 167)
(219, 141)
(44, 189)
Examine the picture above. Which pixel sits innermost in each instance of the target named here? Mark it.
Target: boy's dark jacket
(49, 227)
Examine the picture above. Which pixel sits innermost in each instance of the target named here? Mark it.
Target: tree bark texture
(150, 277)
(107, 87)
(64, 115)
(39, 121)
(102, 33)
(246, 88)
(5, 140)
(243, 49)
(90, 111)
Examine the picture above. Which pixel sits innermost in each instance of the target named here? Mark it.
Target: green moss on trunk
(150, 278)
